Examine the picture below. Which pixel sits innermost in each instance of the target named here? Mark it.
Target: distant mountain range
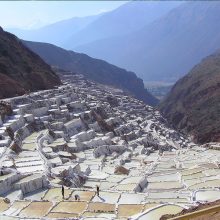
(167, 48)
(126, 19)
(77, 33)
(97, 70)
(56, 33)
(21, 70)
(193, 104)
(159, 41)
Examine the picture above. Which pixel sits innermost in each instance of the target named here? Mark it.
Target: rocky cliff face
(94, 69)
(21, 70)
(193, 104)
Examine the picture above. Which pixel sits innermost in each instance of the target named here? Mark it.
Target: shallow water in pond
(158, 212)
(207, 184)
(208, 195)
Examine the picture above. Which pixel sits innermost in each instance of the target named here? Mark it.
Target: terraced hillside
(83, 135)
(21, 70)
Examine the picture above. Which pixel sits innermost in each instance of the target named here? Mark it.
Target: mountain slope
(193, 104)
(97, 70)
(128, 18)
(55, 33)
(167, 48)
(20, 69)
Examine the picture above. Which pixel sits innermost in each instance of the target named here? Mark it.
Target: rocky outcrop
(121, 170)
(5, 109)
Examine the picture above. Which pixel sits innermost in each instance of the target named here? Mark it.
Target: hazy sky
(33, 14)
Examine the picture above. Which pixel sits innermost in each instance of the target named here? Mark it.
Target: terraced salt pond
(207, 195)
(157, 212)
(36, 209)
(74, 136)
(174, 186)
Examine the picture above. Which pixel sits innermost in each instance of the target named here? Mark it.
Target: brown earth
(193, 104)
(21, 70)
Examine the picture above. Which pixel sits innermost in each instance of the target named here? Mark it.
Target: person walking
(63, 191)
(77, 198)
(97, 190)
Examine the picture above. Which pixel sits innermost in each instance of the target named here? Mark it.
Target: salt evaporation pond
(156, 213)
(207, 195)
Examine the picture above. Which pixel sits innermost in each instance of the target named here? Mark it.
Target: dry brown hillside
(193, 104)
(21, 70)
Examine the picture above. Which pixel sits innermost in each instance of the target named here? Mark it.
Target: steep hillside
(20, 69)
(193, 104)
(97, 70)
(167, 48)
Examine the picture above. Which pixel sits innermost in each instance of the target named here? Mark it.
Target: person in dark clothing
(63, 191)
(77, 198)
(97, 190)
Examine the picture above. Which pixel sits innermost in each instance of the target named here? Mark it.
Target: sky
(34, 14)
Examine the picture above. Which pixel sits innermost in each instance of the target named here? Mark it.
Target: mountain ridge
(125, 19)
(54, 33)
(177, 41)
(116, 22)
(94, 69)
